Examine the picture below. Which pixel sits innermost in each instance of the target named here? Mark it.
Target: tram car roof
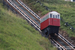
(52, 12)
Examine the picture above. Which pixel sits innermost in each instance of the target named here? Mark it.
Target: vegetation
(17, 34)
(66, 10)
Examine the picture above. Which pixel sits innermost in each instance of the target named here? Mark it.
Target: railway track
(28, 9)
(64, 44)
(33, 18)
(25, 11)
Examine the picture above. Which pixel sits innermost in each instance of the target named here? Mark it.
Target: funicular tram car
(50, 23)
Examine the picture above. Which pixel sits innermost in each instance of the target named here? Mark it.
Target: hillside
(66, 10)
(17, 34)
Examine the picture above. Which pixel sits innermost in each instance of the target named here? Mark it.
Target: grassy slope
(17, 34)
(66, 9)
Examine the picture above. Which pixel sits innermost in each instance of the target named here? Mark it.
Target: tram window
(45, 18)
(58, 17)
(53, 16)
(50, 15)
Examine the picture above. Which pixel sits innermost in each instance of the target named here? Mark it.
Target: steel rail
(26, 12)
(57, 44)
(28, 9)
(64, 44)
(66, 41)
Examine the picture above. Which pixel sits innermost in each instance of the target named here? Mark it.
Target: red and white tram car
(50, 23)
